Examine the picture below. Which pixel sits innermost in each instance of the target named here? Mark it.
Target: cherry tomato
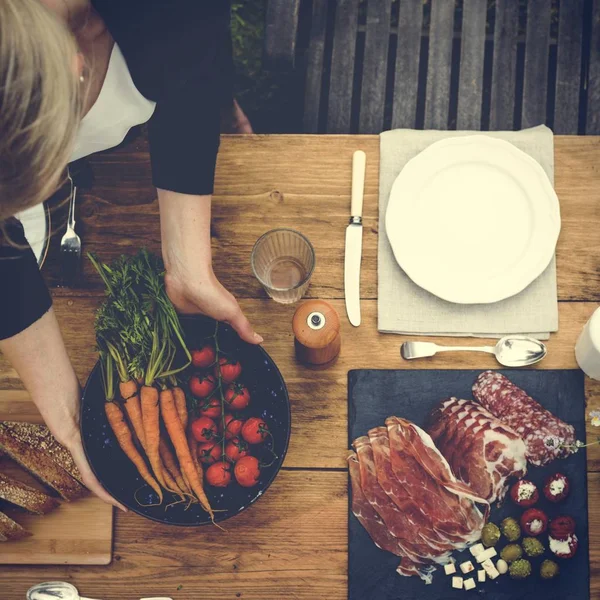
(233, 427)
(204, 429)
(230, 369)
(247, 471)
(209, 452)
(219, 474)
(255, 431)
(202, 385)
(237, 396)
(211, 409)
(236, 449)
(203, 358)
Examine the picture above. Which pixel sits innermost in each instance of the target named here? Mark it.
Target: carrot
(179, 440)
(172, 484)
(129, 393)
(171, 465)
(116, 418)
(150, 416)
(193, 446)
(181, 406)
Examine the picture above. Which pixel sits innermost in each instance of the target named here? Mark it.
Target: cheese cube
(457, 583)
(481, 576)
(467, 567)
(483, 556)
(490, 569)
(477, 549)
(469, 584)
(450, 569)
(502, 566)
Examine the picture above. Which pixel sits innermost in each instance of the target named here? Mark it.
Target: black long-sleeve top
(179, 55)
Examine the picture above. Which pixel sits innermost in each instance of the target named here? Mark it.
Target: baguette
(26, 497)
(11, 530)
(39, 436)
(40, 465)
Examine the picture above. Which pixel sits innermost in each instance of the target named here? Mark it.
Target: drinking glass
(283, 260)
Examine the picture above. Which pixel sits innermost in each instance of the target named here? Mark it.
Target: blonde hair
(40, 103)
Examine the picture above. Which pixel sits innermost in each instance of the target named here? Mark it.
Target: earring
(81, 78)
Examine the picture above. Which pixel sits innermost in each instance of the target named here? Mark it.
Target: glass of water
(283, 260)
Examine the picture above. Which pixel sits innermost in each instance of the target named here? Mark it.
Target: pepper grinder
(316, 328)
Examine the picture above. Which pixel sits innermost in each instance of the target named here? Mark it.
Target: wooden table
(293, 542)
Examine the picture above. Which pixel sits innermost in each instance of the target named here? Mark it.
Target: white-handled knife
(354, 233)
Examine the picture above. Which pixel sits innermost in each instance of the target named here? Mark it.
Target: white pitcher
(587, 349)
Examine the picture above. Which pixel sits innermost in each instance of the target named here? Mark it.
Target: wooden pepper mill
(316, 328)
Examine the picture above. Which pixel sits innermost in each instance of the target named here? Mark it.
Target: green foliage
(254, 85)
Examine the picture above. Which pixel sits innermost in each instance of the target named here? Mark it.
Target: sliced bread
(40, 465)
(11, 530)
(24, 496)
(39, 436)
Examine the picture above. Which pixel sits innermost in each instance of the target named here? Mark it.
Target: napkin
(404, 307)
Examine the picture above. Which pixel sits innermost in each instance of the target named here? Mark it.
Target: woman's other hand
(72, 441)
(40, 358)
(190, 281)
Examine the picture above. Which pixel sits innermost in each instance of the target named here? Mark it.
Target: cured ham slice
(482, 452)
(546, 437)
(406, 496)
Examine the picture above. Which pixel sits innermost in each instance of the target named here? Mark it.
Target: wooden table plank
(318, 397)
(374, 66)
(408, 56)
(568, 68)
(314, 66)
(265, 182)
(437, 94)
(291, 544)
(294, 538)
(535, 84)
(470, 83)
(342, 66)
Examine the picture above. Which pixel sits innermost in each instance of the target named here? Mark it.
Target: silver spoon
(510, 351)
(53, 590)
(60, 590)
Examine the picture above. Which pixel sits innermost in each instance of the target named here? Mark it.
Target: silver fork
(70, 244)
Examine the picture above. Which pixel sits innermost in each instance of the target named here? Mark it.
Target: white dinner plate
(473, 219)
(36, 225)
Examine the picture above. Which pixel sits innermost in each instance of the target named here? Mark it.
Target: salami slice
(546, 437)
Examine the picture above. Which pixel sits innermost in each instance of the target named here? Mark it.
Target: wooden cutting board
(76, 533)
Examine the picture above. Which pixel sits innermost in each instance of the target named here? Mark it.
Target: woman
(75, 75)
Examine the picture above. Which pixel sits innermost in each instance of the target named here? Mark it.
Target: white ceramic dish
(36, 225)
(473, 219)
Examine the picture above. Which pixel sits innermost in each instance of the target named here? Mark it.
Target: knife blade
(353, 252)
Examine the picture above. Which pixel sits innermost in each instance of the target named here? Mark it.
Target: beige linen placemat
(404, 307)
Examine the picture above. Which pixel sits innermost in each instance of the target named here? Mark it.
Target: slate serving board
(374, 395)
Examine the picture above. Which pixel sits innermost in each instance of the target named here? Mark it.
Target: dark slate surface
(375, 395)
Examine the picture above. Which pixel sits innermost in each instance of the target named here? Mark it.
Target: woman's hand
(39, 355)
(204, 294)
(70, 437)
(190, 281)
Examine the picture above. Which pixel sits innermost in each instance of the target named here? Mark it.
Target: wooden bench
(372, 65)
